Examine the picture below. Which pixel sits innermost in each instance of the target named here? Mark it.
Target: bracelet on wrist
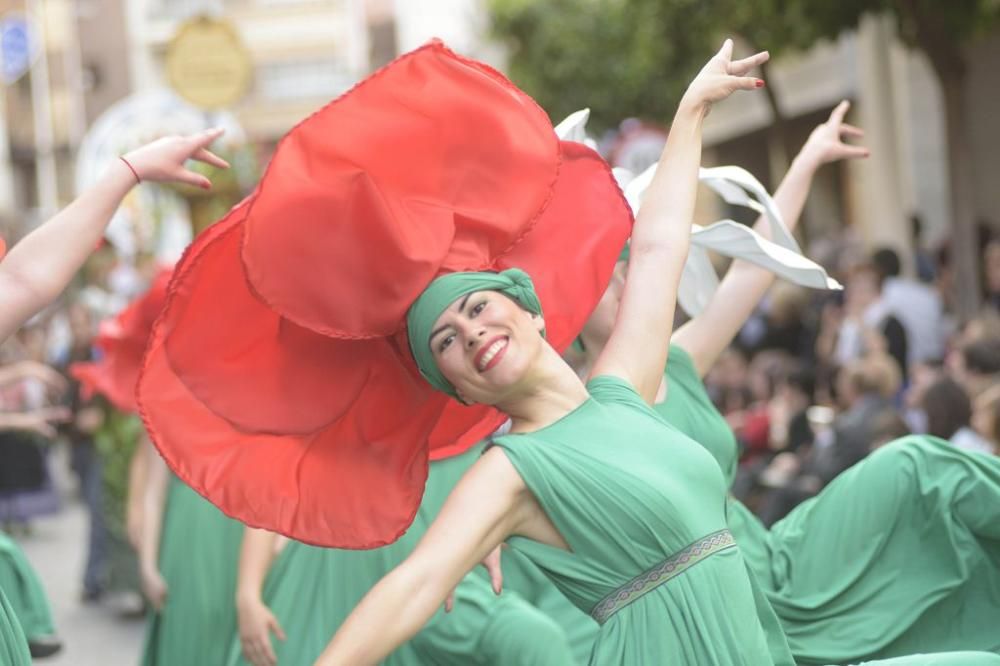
(138, 181)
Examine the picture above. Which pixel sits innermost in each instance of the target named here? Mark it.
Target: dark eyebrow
(461, 306)
(439, 329)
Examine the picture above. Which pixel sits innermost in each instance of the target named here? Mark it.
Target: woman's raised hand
(163, 160)
(826, 143)
(722, 76)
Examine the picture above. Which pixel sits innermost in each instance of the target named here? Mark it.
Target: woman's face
(485, 344)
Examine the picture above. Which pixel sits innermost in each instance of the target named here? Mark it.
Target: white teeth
(490, 353)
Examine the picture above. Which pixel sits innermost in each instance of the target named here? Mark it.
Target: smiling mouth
(490, 354)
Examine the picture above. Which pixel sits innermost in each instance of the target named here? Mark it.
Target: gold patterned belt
(670, 568)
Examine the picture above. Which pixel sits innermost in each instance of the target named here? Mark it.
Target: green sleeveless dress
(900, 554)
(312, 590)
(24, 590)
(13, 644)
(199, 551)
(642, 507)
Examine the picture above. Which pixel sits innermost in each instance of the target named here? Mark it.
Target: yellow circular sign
(207, 63)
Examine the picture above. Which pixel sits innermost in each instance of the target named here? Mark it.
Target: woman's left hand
(826, 143)
(163, 160)
(492, 564)
(722, 76)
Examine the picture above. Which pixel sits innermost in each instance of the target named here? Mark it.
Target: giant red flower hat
(122, 340)
(278, 381)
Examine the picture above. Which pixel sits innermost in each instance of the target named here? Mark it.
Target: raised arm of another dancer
(135, 502)
(157, 479)
(705, 336)
(40, 266)
(28, 369)
(37, 420)
(256, 621)
(662, 232)
(489, 504)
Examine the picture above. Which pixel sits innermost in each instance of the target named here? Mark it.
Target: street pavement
(93, 634)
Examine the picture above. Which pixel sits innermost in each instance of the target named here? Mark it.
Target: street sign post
(18, 47)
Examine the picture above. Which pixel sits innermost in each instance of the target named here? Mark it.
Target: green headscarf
(442, 292)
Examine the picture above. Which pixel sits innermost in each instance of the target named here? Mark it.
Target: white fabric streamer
(780, 254)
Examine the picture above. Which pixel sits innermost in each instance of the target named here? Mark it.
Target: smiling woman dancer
(40, 266)
(577, 482)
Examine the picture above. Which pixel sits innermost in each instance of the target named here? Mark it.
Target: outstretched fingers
(744, 65)
(726, 52)
(208, 157)
(204, 138)
(189, 177)
(852, 131)
(847, 150)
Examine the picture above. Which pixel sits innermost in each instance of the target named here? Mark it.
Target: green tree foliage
(635, 56)
(618, 57)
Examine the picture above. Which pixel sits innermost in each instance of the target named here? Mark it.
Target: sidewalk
(92, 634)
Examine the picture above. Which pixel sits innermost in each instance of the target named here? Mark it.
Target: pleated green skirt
(199, 550)
(13, 645)
(899, 555)
(24, 590)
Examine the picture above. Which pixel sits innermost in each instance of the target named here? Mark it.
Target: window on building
(302, 79)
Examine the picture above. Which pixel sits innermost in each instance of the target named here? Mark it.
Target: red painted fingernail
(759, 83)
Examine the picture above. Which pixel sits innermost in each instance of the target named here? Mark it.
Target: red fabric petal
(433, 163)
(122, 340)
(326, 439)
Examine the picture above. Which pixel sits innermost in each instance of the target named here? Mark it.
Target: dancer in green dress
(310, 591)
(188, 569)
(623, 512)
(898, 555)
(27, 598)
(13, 644)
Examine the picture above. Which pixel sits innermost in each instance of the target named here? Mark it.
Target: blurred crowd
(817, 380)
(47, 420)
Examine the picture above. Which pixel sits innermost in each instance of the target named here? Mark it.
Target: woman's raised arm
(480, 513)
(706, 335)
(661, 236)
(39, 267)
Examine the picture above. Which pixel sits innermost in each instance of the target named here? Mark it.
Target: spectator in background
(949, 416)
(977, 365)
(991, 273)
(986, 416)
(87, 418)
(922, 258)
(865, 388)
(922, 376)
(790, 429)
(869, 324)
(783, 324)
(917, 306)
(726, 381)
